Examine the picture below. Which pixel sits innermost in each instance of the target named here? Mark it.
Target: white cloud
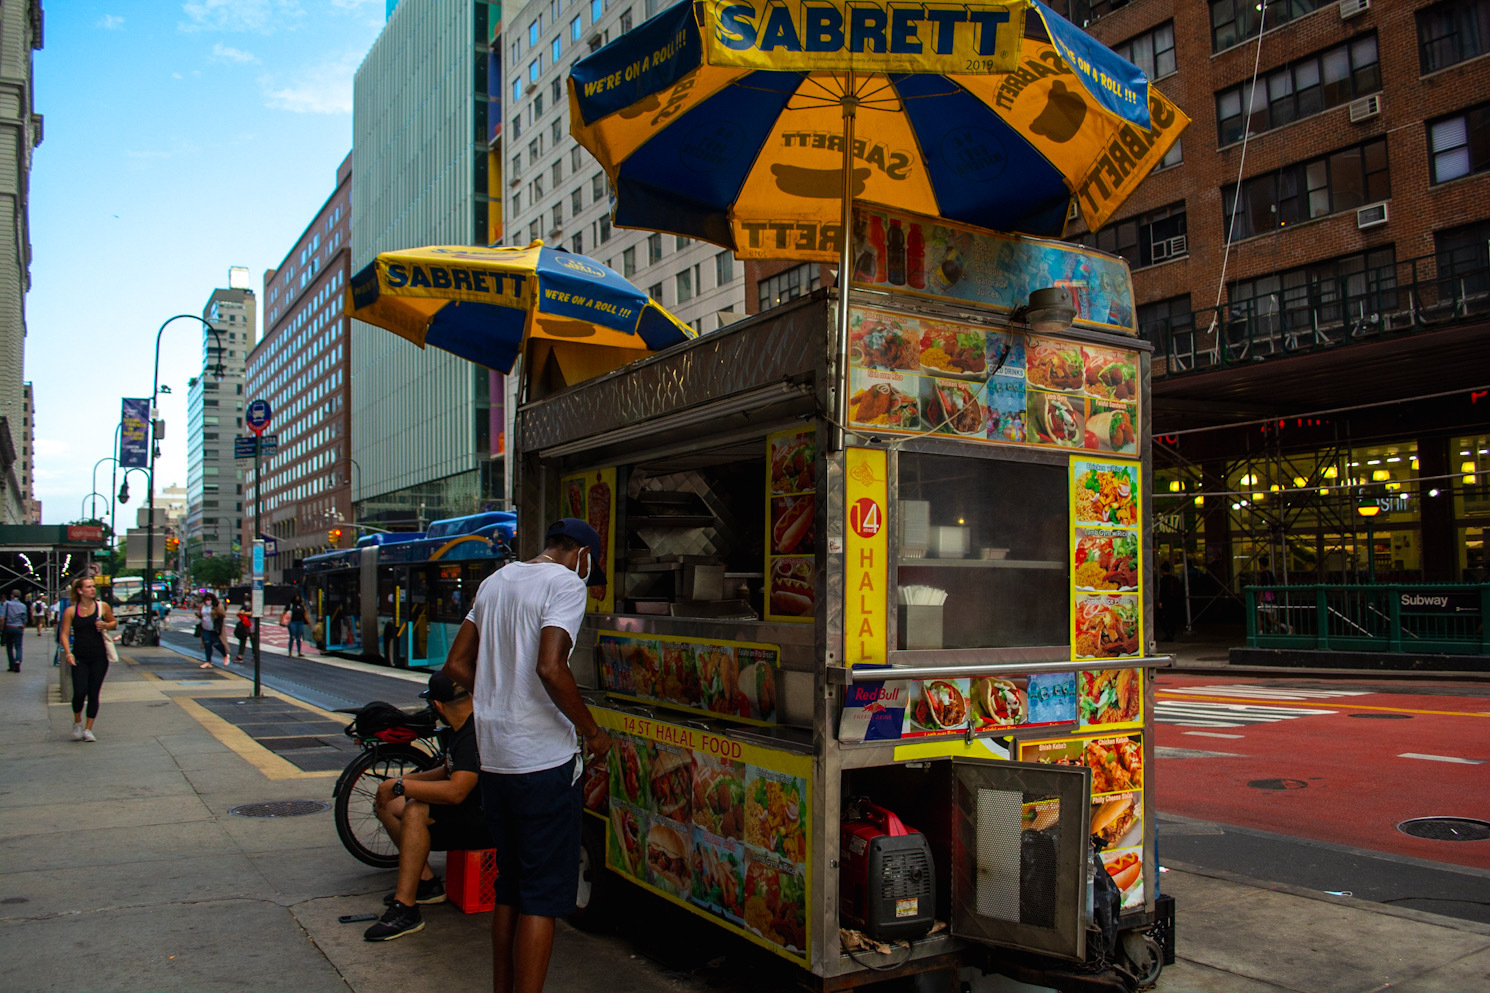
(320, 89)
(261, 16)
(110, 22)
(226, 53)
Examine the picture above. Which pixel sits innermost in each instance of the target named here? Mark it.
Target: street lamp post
(1368, 509)
(85, 508)
(154, 392)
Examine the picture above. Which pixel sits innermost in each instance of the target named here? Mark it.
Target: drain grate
(1446, 828)
(1278, 784)
(1383, 717)
(280, 808)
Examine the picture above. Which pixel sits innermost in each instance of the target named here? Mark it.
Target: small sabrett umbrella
(727, 120)
(483, 303)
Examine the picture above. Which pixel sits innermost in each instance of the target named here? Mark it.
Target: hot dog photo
(791, 525)
(791, 591)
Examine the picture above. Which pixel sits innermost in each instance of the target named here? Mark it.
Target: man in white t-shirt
(512, 653)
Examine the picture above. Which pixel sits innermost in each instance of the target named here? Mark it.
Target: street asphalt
(126, 870)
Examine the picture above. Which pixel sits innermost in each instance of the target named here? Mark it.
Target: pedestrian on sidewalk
(12, 627)
(210, 629)
(39, 613)
(82, 635)
(512, 654)
(297, 627)
(244, 629)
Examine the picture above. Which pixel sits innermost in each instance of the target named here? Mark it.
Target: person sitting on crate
(438, 810)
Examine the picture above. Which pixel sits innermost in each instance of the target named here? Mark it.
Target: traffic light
(334, 536)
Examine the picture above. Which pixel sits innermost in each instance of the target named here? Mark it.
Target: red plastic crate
(471, 879)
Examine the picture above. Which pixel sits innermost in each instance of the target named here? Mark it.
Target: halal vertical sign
(866, 557)
(134, 433)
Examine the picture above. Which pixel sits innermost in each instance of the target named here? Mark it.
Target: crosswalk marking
(1264, 692)
(1205, 714)
(1441, 758)
(1213, 734)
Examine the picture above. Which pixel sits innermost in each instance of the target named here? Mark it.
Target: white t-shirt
(518, 727)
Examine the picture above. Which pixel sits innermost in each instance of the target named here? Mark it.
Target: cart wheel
(592, 900)
(1144, 955)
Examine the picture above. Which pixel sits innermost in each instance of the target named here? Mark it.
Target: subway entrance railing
(1444, 618)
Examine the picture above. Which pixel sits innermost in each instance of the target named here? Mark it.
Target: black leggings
(87, 681)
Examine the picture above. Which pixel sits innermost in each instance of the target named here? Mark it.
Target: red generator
(887, 887)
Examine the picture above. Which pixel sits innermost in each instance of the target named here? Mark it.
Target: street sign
(243, 446)
(257, 416)
(271, 546)
(134, 434)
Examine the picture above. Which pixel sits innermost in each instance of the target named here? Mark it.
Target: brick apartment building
(301, 366)
(1333, 354)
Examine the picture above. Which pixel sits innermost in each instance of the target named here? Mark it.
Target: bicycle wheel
(357, 823)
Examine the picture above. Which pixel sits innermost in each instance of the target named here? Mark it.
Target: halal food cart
(875, 645)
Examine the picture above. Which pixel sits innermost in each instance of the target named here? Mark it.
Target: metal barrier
(1313, 312)
(1447, 619)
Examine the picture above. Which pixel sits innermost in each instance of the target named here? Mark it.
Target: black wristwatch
(398, 786)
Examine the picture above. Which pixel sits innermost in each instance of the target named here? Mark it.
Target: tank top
(87, 639)
(207, 624)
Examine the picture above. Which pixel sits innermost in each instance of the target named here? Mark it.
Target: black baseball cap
(573, 527)
(442, 688)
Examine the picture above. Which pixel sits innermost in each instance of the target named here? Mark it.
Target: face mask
(589, 567)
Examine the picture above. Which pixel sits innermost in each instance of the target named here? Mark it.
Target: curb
(1190, 669)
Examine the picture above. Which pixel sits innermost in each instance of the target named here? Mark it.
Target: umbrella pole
(850, 103)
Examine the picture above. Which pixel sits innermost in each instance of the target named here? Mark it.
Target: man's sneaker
(397, 922)
(429, 891)
(77, 732)
(88, 735)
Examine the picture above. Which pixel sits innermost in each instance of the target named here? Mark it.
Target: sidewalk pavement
(124, 870)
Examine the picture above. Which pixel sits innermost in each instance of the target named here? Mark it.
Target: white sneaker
(88, 736)
(77, 732)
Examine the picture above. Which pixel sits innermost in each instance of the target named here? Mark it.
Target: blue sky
(181, 138)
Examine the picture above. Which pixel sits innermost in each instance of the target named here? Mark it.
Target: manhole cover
(1383, 717)
(1446, 828)
(1278, 784)
(280, 808)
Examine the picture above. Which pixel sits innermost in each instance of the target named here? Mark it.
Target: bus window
(450, 602)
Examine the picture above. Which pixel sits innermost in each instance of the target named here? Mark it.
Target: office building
(426, 171)
(301, 367)
(26, 444)
(1311, 266)
(214, 410)
(20, 35)
(557, 192)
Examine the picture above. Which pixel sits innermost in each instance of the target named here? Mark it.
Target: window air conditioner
(1074, 211)
(531, 87)
(1365, 108)
(1350, 8)
(1170, 248)
(1372, 215)
(594, 39)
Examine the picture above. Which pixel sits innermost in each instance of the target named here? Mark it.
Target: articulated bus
(401, 597)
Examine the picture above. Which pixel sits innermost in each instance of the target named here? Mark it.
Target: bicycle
(388, 737)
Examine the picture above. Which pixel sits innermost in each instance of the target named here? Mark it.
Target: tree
(217, 572)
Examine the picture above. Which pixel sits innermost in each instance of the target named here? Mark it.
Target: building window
(626, 21)
(517, 165)
(628, 262)
(724, 269)
(533, 152)
(557, 49)
(1234, 21)
(789, 285)
(533, 232)
(604, 228)
(1156, 321)
(536, 110)
(1459, 145)
(575, 29)
(1299, 89)
(533, 29)
(654, 249)
(558, 172)
(576, 201)
(1152, 51)
(597, 187)
(537, 186)
(517, 202)
(1174, 156)
(683, 283)
(574, 159)
(1157, 236)
(534, 68)
(1463, 256)
(655, 292)
(1321, 294)
(556, 88)
(680, 242)
(1344, 180)
(597, 11)
(559, 214)
(1452, 32)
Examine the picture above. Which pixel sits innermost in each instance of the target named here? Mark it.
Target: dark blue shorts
(535, 820)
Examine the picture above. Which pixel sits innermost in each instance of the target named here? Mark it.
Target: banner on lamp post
(134, 433)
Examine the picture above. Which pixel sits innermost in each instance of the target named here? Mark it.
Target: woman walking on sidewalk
(82, 635)
(211, 630)
(297, 626)
(244, 629)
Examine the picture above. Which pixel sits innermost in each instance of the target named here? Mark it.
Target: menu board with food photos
(733, 679)
(592, 499)
(711, 823)
(791, 504)
(929, 375)
(1117, 765)
(1106, 560)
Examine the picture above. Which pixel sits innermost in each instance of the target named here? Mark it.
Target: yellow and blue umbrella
(483, 303)
(727, 120)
